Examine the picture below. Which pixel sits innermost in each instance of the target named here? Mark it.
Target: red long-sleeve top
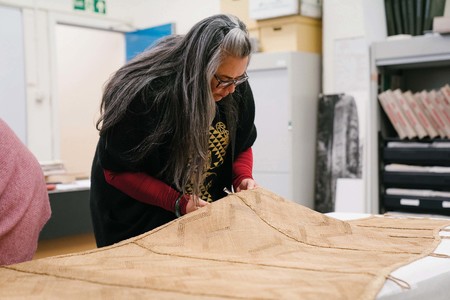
(150, 190)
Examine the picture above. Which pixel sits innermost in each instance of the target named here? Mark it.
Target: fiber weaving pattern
(249, 245)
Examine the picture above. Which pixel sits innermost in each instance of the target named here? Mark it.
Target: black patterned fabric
(338, 147)
(117, 216)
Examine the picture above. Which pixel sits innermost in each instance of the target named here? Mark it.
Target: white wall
(81, 74)
(12, 71)
(40, 18)
(345, 19)
(349, 27)
(351, 23)
(39, 22)
(184, 14)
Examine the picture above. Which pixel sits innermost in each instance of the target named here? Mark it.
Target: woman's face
(232, 70)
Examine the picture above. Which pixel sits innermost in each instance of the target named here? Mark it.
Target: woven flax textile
(252, 244)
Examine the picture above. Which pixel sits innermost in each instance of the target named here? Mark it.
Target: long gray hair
(178, 71)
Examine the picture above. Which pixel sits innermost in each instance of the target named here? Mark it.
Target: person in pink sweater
(24, 201)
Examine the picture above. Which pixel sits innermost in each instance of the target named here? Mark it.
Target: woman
(176, 130)
(24, 202)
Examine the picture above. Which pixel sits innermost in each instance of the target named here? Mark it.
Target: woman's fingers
(192, 205)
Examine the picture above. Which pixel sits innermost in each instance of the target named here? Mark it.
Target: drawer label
(410, 202)
(446, 204)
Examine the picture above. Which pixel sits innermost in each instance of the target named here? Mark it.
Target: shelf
(417, 156)
(418, 204)
(415, 64)
(423, 51)
(416, 180)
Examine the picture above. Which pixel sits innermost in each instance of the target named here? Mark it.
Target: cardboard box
(239, 8)
(267, 9)
(293, 33)
(255, 37)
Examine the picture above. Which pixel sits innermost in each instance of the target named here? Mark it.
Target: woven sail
(252, 244)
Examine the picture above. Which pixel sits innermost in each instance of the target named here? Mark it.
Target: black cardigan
(115, 215)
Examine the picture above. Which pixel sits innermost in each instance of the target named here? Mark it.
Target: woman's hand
(192, 206)
(246, 184)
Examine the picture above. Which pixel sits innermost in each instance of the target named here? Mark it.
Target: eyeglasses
(226, 83)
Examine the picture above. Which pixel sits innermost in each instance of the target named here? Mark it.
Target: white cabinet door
(273, 147)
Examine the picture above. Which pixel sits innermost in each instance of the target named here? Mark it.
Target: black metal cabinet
(70, 214)
(415, 64)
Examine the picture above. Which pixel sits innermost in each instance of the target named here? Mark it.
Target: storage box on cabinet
(239, 8)
(294, 33)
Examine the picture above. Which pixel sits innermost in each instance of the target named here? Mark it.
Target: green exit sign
(96, 6)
